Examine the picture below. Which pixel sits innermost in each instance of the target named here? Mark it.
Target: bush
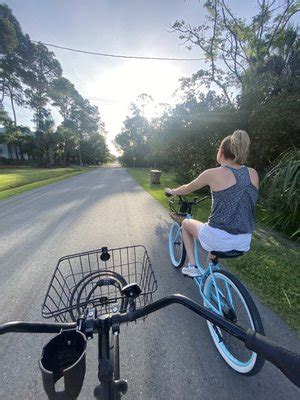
(280, 193)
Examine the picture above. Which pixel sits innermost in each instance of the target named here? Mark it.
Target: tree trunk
(16, 152)
(22, 153)
(79, 153)
(9, 151)
(65, 156)
(51, 155)
(13, 108)
(2, 89)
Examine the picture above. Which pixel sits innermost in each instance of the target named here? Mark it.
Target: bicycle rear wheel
(239, 308)
(176, 246)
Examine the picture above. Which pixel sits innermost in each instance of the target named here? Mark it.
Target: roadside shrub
(280, 192)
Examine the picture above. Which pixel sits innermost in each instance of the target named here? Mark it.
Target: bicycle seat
(227, 254)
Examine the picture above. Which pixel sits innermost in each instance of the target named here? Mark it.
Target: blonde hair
(236, 146)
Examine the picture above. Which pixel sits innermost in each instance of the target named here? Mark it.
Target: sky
(130, 27)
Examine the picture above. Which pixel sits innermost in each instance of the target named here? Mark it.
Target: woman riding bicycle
(234, 191)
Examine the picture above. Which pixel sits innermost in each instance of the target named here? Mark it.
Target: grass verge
(20, 179)
(270, 269)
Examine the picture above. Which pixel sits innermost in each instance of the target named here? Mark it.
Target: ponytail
(239, 146)
(236, 146)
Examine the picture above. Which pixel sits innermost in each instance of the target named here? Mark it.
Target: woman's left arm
(202, 180)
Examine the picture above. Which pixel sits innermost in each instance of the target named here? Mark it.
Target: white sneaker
(191, 271)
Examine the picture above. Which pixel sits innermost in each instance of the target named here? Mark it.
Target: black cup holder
(64, 357)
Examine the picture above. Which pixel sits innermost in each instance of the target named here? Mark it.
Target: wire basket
(94, 279)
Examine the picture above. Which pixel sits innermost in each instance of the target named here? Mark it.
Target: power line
(118, 55)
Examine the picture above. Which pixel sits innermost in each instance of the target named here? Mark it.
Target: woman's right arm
(202, 180)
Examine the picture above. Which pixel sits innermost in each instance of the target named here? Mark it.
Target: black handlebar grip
(287, 361)
(168, 194)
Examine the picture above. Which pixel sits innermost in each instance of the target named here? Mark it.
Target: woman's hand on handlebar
(169, 192)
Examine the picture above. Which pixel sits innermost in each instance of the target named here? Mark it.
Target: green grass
(20, 179)
(270, 269)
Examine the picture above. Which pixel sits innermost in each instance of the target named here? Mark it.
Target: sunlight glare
(117, 87)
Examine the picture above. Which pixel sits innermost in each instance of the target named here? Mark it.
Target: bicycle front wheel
(176, 246)
(223, 288)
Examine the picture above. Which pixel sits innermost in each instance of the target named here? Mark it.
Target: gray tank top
(233, 208)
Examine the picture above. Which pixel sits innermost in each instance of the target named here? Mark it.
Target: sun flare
(117, 87)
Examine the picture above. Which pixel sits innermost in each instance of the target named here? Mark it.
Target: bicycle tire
(175, 239)
(255, 363)
(114, 358)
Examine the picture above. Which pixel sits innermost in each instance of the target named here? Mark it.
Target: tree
(255, 64)
(22, 139)
(85, 119)
(45, 69)
(233, 47)
(9, 29)
(46, 143)
(31, 75)
(68, 142)
(64, 95)
(3, 115)
(134, 139)
(15, 60)
(11, 137)
(94, 149)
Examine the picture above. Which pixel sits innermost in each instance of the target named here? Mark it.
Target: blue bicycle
(220, 291)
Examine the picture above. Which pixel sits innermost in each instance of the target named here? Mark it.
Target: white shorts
(218, 240)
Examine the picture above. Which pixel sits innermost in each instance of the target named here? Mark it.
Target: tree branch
(277, 31)
(237, 25)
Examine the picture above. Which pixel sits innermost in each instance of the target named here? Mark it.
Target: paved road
(170, 355)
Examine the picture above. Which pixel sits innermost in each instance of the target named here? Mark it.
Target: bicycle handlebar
(285, 360)
(288, 362)
(181, 197)
(34, 327)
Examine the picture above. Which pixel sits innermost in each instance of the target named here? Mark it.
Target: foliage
(94, 149)
(281, 193)
(30, 75)
(261, 59)
(243, 46)
(134, 138)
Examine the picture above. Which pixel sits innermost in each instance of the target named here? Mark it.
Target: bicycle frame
(205, 272)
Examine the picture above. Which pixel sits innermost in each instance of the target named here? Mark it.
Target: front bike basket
(64, 357)
(94, 279)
